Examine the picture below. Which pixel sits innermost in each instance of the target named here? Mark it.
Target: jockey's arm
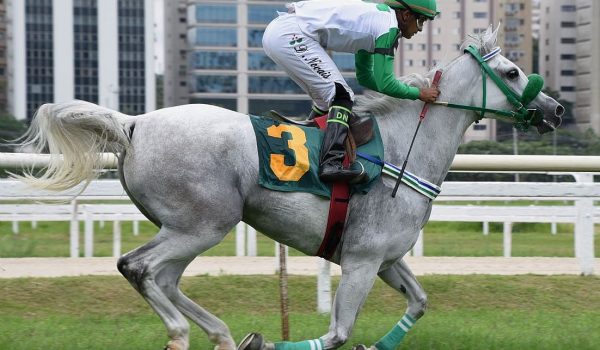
(376, 70)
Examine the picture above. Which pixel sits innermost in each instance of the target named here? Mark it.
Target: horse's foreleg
(399, 277)
(356, 282)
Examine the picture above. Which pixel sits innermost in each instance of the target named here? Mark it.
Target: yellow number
(297, 144)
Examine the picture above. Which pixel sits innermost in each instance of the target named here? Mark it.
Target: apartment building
(100, 51)
(219, 58)
(587, 100)
(3, 68)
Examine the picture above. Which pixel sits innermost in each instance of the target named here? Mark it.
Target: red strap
(338, 209)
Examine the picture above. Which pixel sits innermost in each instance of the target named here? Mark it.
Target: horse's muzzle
(551, 120)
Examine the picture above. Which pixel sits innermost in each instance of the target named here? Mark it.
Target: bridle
(521, 116)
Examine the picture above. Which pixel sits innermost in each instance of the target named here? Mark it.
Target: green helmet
(426, 8)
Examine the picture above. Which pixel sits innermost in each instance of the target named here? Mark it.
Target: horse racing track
(466, 312)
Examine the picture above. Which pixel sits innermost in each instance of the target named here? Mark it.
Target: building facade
(442, 41)
(558, 47)
(569, 56)
(100, 51)
(3, 61)
(219, 58)
(222, 61)
(587, 101)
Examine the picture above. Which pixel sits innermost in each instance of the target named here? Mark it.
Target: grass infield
(51, 239)
(465, 312)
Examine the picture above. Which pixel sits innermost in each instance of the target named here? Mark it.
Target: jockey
(298, 40)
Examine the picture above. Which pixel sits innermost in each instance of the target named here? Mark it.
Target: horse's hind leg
(154, 271)
(400, 277)
(217, 330)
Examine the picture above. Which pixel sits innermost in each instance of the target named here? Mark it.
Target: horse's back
(188, 158)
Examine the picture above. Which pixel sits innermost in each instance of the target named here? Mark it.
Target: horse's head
(507, 93)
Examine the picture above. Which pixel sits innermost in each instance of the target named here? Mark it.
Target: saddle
(361, 129)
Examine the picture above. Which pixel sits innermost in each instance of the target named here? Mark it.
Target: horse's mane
(380, 104)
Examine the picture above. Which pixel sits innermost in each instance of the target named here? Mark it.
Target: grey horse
(193, 170)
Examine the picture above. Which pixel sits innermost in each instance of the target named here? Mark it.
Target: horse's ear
(489, 39)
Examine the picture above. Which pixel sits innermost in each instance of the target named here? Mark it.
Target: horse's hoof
(253, 341)
(363, 347)
(176, 345)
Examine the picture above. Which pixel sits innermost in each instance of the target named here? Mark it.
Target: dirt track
(57, 267)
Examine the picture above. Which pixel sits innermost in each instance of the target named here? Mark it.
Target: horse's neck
(439, 135)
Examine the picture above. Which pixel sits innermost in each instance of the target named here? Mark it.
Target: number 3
(297, 144)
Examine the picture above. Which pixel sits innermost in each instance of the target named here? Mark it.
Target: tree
(10, 129)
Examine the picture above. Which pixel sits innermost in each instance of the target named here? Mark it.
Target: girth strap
(338, 210)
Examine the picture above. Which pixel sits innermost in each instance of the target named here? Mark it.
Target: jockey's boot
(333, 150)
(315, 112)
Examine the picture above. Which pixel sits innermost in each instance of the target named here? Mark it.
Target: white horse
(193, 170)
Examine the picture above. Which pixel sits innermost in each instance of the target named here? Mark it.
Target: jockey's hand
(429, 94)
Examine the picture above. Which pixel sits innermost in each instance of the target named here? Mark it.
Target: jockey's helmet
(427, 8)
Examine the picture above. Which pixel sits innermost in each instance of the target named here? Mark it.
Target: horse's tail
(79, 131)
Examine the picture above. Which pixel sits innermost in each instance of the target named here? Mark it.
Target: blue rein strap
(424, 187)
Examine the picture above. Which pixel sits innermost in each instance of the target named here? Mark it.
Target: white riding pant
(304, 59)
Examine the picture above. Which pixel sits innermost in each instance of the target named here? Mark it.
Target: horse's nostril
(560, 110)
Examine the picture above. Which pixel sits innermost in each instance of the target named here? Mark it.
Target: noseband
(521, 117)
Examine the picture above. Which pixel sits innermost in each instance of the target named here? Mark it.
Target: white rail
(462, 162)
(583, 193)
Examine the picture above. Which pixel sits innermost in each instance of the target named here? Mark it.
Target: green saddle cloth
(289, 157)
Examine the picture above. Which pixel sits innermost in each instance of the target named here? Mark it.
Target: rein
(521, 116)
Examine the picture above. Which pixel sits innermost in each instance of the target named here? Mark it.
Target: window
(568, 8)
(567, 72)
(220, 102)
(214, 84)
(262, 14)
(568, 57)
(255, 37)
(213, 60)
(568, 40)
(479, 127)
(567, 24)
(479, 14)
(272, 85)
(206, 36)
(294, 108)
(259, 61)
(216, 13)
(344, 61)
(567, 88)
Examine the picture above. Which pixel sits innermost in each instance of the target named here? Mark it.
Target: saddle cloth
(289, 157)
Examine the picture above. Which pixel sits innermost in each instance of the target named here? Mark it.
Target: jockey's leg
(399, 277)
(332, 148)
(316, 112)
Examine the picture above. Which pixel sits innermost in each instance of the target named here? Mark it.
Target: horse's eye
(512, 74)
